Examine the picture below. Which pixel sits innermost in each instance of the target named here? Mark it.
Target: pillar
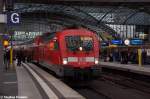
(2, 31)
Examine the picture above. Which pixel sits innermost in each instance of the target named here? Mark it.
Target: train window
(51, 46)
(79, 43)
(54, 45)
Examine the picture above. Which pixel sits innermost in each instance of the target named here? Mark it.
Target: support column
(2, 31)
(140, 57)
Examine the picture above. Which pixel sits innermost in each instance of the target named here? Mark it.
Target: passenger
(7, 59)
(135, 57)
(4, 57)
(19, 57)
(29, 58)
(144, 57)
(117, 56)
(107, 59)
(124, 57)
(111, 57)
(23, 56)
(114, 56)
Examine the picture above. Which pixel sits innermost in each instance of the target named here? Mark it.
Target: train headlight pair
(96, 61)
(65, 61)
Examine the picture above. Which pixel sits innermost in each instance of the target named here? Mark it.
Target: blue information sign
(117, 42)
(6, 37)
(13, 18)
(136, 42)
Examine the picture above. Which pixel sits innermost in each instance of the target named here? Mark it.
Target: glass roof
(105, 14)
(93, 17)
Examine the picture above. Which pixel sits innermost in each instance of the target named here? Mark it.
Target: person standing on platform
(4, 57)
(23, 56)
(19, 58)
(124, 57)
(144, 56)
(110, 57)
(7, 59)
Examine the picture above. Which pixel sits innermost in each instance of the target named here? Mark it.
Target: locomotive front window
(79, 43)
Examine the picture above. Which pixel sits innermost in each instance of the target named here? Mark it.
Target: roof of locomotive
(78, 31)
(67, 31)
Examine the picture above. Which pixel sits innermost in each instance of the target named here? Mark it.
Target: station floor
(20, 83)
(17, 82)
(8, 83)
(143, 69)
(8, 79)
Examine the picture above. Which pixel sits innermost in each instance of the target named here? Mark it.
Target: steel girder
(64, 22)
(74, 12)
(85, 14)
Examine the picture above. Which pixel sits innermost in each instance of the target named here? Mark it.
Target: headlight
(96, 61)
(65, 61)
(80, 48)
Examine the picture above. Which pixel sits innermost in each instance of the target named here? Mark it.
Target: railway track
(111, 86)
(114, 86)
(87, 91)
(91, 93)
(129, 83)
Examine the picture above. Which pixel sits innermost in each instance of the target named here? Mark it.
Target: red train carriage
(71, 52)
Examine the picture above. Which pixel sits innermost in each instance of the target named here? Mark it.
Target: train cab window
(79, 43)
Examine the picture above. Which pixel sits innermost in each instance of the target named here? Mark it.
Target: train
(72, 52)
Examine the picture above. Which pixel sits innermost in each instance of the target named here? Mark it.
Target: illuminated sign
(116, 42)
(13, 18)
(22, 35)
(5, 43)
(5, 36)
(136, 42)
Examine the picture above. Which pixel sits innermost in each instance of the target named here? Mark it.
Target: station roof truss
(95, 18)
(83, 2)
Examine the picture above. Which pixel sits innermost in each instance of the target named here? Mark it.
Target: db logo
(13, 18)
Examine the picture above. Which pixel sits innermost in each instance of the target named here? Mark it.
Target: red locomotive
(70, 52)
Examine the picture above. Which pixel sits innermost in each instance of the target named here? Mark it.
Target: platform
(8, 83)
(53, 87)
(26, 85)
(8, 80)
(30, 82)
(135, 68)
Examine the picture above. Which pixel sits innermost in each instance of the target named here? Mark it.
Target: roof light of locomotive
(80, 48)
